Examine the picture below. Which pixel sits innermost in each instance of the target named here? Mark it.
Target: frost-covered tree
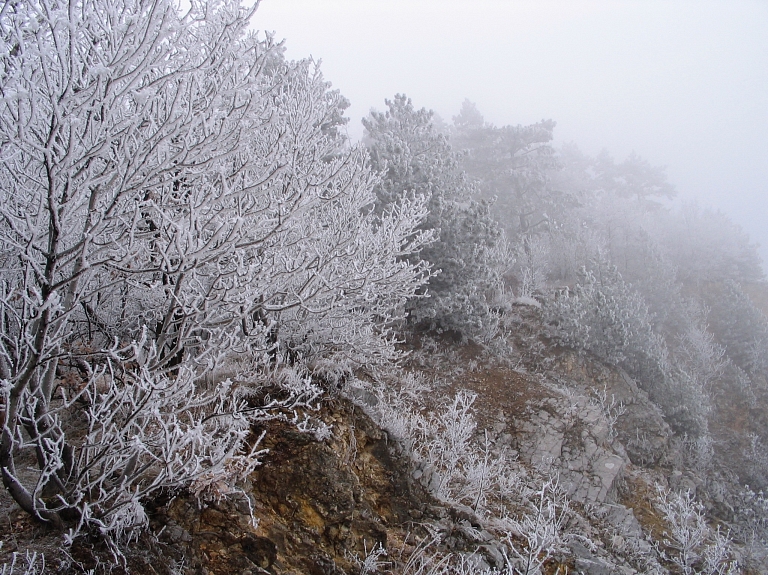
(173, 194)
(689, 543)
(602, 315)
(512, 164)
(469, 254)
(706, 246)
(741, 328)
(633, 178)
(605, 316)
(541, 527)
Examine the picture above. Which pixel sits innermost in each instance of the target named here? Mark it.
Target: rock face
(320, 506)
(323, 506)
(573, 444)
(642, 430)
(582, 421)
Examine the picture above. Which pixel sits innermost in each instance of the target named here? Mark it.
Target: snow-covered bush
(690, 543)
(457, 467)
(541, 527)
(533, 265)
(29, 564)
(706, 246)
(464, 470)
(602, 315)
(173, 193)
(611, 409)
(605, 316)
(742, 329)
(446, 441)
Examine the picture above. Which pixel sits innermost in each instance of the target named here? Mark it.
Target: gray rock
(607, 469)
(580, 551)
(494, 555)
(178, 534)
(624, 520)
(594, 567)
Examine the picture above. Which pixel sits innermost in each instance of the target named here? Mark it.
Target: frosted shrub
(742, 329)
(446, 440)
(603, 315)
(753, 529)
(612, 410)
(483, 476)
(29, 564)
(540, 527)
(371, 563)
(700, 453)
(462, 470)
(398, 395)
(468, 473)
(173, 194)
(690, 543)
(702, 359)
(696, 363)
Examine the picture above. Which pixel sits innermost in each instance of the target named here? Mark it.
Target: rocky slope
(369, 499)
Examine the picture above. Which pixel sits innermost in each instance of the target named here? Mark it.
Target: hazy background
(682, 83)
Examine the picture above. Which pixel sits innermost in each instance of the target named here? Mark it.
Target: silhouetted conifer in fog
(468, 255)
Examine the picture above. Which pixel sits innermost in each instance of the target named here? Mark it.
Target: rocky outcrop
(320, 506)
(569, 439)
(642, 430)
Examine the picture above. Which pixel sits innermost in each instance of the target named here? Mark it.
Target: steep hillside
(564, 463)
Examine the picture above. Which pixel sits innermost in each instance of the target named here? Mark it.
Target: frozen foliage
(612, 410)
(530, 514)
(173, 193)
(754, 529)
(606, 317)
(460, 470)
(699, 357)
(706, 246)
(446, 440)
(512, 165)
(541, 528)
(372, 562)
(463, 470)
(29, 564)
(533, 266)
(690, 543)
(470, 253)
(742, 330)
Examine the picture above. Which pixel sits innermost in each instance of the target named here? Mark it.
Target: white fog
(684, 84)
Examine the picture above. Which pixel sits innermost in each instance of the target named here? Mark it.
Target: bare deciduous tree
(173, 193)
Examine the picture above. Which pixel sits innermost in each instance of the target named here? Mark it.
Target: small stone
(493, 553)
(177, 534)
(434, 484)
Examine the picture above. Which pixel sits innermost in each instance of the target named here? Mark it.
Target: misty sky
(682, 83)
